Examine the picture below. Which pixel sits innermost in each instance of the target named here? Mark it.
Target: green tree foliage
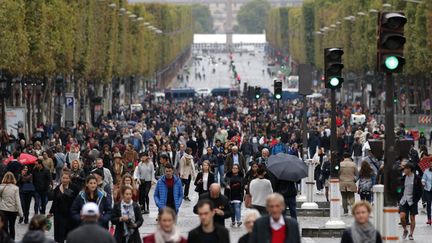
(252, 16)
(203, 20)
(321, 23)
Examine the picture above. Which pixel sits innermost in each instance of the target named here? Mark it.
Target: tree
(252, 16)
(203, 20)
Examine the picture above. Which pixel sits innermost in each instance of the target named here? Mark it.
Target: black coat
(245, 238)
(119, 232)
(221, 203)
(62, 202)
(261, 232)
(417, 190)
(41, 179)
(199, 186)
(90, 233)
(347, 237)
(195, 235)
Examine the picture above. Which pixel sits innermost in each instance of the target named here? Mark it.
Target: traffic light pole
(390, 202)
(278, 110)
(335, 221)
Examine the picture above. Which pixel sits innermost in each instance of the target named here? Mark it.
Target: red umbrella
(25, 159)
(425, 163)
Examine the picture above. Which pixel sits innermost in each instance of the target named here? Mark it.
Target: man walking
(41, 181)
(90, 231)
(275, 228)
(169, 190)
(347, 177)
(410, 196)
(220, 203)
(208, 231)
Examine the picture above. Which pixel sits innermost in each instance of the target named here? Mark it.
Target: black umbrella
(287, 167)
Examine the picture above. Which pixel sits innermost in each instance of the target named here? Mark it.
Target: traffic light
(333, 68)
(257, 92)
(277, 89)
(391, 41)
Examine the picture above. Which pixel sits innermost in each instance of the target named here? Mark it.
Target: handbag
(248, 200)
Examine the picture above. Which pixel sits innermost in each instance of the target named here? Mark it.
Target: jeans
(219, 171)
(347, 199)
(292, 205)
(26, 198)
(9, 225)
(144, 189)
(366, 196)
(58, 174)
(41, 200)
(186, 184)
(236, 215)
(357, 160)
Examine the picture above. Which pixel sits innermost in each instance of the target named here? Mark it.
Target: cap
(90, 209)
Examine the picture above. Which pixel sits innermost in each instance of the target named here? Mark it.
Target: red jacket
(151, 239)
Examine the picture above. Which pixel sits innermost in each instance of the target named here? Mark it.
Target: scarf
(363, 233)
(167, 237)
(127, 210)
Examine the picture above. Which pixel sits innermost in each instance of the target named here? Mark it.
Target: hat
(90, 209)
(117, 156)
(99, 172)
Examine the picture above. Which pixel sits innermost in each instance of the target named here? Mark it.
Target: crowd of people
(102, 174)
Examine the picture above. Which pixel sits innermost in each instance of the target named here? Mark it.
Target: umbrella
(25, 159)
(287, 167)
(425, 163)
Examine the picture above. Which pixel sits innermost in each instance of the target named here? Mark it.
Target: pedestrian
(427, 191)
(130, 157)
(220, 202)
(348, 174)
(39, 224)
(10, 203)
(126, 180)
(234, 158)
(90, 231)
(144, 175)
(318, 159)
(219, 151)
(187, 172)
(169, 190)
(249, 220)
(163, 162)
(362, 230)
(77, 174)
(204, 178)
(107, 176)
(275, 227)
(410, 196)
(166, 230)
(118, 169)
(127, 217)
(4, 236)
(235, 193)
(27, 190)
(91, 193)
(14, 165)
(60, 162)
(288, 190)
(365, 182)
(250, 175)
(357, 151)
(325, 176)
(43, 183)
(260, 189)
(48, 163)
(210, 157)
(208, 230)
(64, 195)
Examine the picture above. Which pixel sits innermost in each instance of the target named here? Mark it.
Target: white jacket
(10, 199)
(187, 167)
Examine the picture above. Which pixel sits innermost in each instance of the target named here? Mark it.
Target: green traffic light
(278, 96)
(334, 82)
(391, 63)
(257, 96)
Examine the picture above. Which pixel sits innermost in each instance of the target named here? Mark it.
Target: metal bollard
(378, 191)
(310, 204)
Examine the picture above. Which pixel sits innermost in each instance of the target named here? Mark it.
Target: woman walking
(187, 171)
(27, 189)
(365, 182)
(91, 193)
(427, 191)
(127, 218)
(204, 179)
(64, 195)
(39, 224)
(126, 180)
(362, 230)
(10, 203)
(166, 230)
(144, 175)
(235, 191)
(77, 174)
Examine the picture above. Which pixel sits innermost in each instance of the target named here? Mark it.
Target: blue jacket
(102, 201)
(279, 148)
(161, 193)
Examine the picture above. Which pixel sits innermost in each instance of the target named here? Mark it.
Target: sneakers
(429, 222)
(21, 220)
(239, 223)
(404, 235)
(410, 237)
(232, 224)
(186, 199)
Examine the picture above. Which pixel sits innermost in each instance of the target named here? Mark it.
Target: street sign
(69, 102)
(69, 111)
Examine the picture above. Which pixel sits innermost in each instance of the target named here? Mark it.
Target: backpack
(365, 185)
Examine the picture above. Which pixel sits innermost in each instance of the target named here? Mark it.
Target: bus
(180, 93)
(225, 92)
